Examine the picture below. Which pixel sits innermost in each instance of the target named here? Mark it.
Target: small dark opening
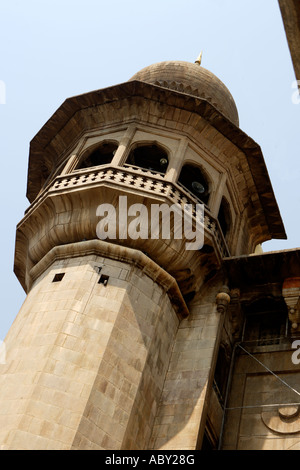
(103, 279)
(58, 277)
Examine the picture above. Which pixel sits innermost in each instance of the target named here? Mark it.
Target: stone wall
(258, 416)
(85, 361)
(181, 417)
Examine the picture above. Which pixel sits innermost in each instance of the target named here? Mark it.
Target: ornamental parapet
(134, 179)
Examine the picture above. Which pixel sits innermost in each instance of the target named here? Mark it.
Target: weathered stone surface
(132, 343)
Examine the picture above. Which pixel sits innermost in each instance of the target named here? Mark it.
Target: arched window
(193, 179)
(99, 156)
(224, 216)
(151, 157)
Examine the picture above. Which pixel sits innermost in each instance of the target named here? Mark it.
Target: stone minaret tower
(116, 343)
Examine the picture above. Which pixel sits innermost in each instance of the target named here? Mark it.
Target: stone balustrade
(136, 178)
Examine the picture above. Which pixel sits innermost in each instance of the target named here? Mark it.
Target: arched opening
(102, 155)
(193, 179)
(151, 157)
(224, 217)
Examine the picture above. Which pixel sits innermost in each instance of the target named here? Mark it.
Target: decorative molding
(284, 420)
(119, 253)
(235, 312)
(223, 300)
(291, 294)
(135, 178)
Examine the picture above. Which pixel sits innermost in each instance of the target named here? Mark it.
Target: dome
(192, 79)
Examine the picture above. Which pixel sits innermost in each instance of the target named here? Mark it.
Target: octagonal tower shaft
(116, 335)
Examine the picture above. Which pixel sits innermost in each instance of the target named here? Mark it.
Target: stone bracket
(223, 299)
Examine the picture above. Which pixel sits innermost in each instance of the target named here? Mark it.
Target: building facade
(133, 341)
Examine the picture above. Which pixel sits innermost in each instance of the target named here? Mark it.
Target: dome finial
(199, 59)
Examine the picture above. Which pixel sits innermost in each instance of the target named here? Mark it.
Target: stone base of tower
(101, 357)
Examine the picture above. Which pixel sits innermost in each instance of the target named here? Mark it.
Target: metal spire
(199, 59)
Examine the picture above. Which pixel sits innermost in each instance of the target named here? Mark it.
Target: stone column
(181, 417)
(174, 169)
(120, 155)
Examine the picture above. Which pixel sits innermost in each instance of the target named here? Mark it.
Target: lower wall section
(86, 360)
(123, 402)
(102, 356)
(181, 417)
(263, 412)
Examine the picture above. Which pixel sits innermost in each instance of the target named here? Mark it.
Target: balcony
(139, 180)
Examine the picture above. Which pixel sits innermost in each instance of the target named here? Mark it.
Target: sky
(52, 50)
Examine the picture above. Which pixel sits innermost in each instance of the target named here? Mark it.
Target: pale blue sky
(51, 50)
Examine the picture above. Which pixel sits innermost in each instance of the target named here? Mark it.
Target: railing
(129, 176)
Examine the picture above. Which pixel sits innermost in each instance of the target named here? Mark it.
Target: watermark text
(296, 354)
(161, 221)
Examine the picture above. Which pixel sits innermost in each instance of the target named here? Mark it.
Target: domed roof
(192, 79)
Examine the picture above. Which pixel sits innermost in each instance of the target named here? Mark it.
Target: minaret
(115, 345)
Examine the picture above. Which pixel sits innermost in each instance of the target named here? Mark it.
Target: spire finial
(199, 59)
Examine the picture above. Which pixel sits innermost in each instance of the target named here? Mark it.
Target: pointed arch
(150, 156)
(100, 154)
(193, 178)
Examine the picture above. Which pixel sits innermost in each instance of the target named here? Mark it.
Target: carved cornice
(66, 213)
(119, 253)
